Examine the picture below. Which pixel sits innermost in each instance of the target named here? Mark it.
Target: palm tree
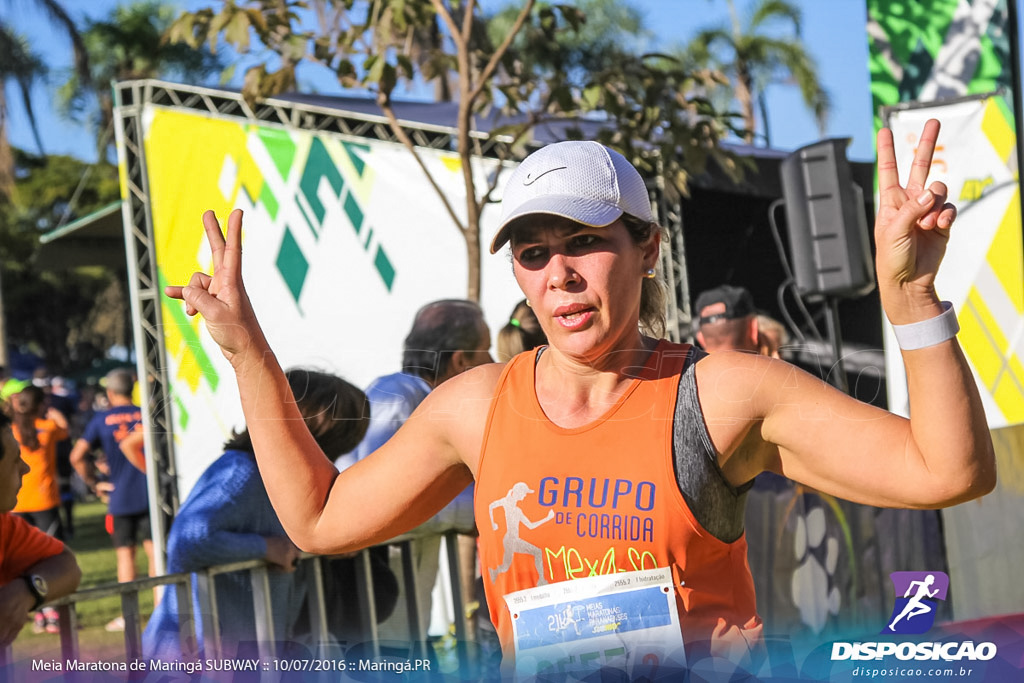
(129, 44)
(754, 60)
(20, 66)
(608, 33)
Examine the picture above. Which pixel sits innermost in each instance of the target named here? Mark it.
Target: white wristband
(928, 332)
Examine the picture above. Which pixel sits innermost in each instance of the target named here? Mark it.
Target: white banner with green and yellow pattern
(983, 270)
(343, 240)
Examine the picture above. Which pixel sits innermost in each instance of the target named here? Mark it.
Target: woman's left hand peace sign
(911, 230)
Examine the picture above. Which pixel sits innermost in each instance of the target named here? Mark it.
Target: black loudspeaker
(828, 234)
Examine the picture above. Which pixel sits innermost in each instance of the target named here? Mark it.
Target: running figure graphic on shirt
(513, 518)
(914, 606)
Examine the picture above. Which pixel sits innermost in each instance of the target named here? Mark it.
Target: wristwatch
(37, 585)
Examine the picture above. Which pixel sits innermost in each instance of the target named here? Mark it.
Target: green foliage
(649, 107)
(46, 182)
(129, 44)
(269, 21)
(657, 119)
(23, 67)
(754, 57)
(77, 304)
(589, 37)
(19, 65)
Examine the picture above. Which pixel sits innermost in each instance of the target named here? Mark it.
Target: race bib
(625, 621)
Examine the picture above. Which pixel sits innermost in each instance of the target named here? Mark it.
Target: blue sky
(833, 33)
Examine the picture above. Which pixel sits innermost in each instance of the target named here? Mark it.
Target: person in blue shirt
(228, 517)
(447, 338)
(125, 490)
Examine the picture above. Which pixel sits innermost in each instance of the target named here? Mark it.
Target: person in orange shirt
(34, 567)
(37, 429)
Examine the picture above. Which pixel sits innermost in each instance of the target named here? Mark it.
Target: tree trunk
(472, 235)
(745, 95)
(762, 105)
(473, 211)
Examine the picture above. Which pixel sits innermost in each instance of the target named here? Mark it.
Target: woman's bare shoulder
(725, 378)
(737, 387)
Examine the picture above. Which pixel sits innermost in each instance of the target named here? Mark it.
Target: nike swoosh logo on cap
(531, 179)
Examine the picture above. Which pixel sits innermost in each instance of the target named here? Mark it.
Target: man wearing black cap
(727, 320)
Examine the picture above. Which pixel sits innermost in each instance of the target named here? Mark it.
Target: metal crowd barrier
(258, 571)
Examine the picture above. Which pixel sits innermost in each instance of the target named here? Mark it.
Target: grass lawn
(95, 555)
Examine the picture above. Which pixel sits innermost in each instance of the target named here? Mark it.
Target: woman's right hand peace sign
(221, 298)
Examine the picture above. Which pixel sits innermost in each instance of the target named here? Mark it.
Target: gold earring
(528, 304)
(649, 274)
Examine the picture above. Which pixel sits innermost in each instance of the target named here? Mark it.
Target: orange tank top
(39, 488)
(555, 504)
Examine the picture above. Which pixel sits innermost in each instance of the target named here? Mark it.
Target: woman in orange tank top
(38, 430)
(575, 506)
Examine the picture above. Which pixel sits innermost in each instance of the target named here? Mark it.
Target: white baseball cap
(583, 181)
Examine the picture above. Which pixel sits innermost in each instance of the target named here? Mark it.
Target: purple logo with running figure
(917, 594)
